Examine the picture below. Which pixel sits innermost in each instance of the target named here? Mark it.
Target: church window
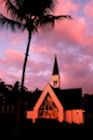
(55, 83)
(48, 109)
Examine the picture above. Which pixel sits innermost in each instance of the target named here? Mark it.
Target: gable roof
(49, 91)
(69, 98)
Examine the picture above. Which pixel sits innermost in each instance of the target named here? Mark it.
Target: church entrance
(48, 109)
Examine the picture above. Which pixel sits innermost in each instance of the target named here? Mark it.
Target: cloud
(88, 9)
(11, 65)
(71, 40)
(69, 31)
(65, 7)
(11, 69)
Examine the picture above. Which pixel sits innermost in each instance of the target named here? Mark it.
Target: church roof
(55, 69)
(69, 98)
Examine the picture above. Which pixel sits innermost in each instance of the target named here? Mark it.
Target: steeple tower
(55, 75)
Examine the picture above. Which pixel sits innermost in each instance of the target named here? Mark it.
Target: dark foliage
(43, 128)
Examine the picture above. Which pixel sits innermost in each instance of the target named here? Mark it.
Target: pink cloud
(2, 7)
(15, 55)
(72, 31)
(85, 84)
(14, 59)
(13, 63)
(71, 40)
(65, 6)
(65, 34)
(41, 82)
(69, 31)
(2, 74)
(77, 74)
(89, 9)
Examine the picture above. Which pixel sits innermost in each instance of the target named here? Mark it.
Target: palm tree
(28, 15)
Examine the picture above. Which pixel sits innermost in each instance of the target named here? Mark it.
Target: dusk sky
(70, 40)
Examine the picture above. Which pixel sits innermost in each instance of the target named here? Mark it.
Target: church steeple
(55, 69)
(55, 75)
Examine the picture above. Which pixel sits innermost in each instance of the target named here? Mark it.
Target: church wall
(74, 116)
(31, 115)
(71, 116)
(77, 116)
(68, 116)
(61, 114)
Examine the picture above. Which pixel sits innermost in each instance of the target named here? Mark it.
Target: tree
(29, 15)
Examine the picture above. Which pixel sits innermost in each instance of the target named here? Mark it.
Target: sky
(70, 40)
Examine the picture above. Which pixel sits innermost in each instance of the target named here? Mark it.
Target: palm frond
(13, 11)
(48, 6)
(49, 20)
(64, 17)
(11, 24)
(46, 21)
(36, 7)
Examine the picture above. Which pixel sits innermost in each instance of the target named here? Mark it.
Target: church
(63, 105)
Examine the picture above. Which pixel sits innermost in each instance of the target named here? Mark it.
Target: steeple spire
(55, 69)
(55, 75)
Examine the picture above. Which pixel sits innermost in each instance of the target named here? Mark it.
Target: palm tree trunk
(20, 104)
(25, 61)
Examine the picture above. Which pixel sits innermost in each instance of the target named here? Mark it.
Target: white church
(55, 103)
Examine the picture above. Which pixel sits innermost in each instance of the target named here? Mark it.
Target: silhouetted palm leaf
(10, 24)
(50, 20)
